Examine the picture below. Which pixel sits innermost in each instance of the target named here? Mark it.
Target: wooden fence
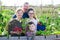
(50, 37)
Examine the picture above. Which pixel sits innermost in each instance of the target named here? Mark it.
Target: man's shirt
(25, 15)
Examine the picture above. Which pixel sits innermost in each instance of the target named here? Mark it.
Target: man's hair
(26, 3)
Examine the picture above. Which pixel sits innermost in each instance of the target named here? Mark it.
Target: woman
(14, 26)
(33, 20)
(32, 17)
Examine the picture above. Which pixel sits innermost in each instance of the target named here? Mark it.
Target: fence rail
(50, 37)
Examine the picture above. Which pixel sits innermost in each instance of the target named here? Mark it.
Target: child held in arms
(14, 26)
(30, 31)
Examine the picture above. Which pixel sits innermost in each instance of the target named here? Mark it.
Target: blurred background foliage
(47, 15)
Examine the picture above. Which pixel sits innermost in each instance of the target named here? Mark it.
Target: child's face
(20, 14)
(32, 27)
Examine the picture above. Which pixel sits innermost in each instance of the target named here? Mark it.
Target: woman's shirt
(32, 20)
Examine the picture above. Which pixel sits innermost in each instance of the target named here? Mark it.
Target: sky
(31, 2)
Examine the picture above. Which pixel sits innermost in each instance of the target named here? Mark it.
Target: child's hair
(31, 9)
(18, 9)
(29, 23)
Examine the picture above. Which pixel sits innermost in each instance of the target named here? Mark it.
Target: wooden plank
(36, 38)
(13, 38)
(57, 38)
(3, 38)
(23, 38)
(50, 37)
(40, 38)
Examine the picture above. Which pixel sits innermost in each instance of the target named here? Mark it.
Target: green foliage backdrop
(46, 15)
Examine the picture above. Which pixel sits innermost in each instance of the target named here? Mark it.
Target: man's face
(26, 6)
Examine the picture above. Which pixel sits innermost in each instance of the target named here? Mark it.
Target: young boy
(30, 31)
(15, 26)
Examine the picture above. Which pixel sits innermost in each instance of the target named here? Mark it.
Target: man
(25, 9)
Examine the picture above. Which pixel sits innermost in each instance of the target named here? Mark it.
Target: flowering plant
(17, 29)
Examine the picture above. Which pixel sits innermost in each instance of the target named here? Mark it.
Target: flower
(17, 29)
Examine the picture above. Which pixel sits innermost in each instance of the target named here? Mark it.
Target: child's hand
(18, 32)
(13, 32)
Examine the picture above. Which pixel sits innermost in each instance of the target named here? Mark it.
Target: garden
(47, 15)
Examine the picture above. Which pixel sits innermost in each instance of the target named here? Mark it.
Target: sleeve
(26, 29)
(14, 16)
(9, 27)
(41, 27)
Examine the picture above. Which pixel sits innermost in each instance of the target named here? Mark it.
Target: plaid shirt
(14, 25)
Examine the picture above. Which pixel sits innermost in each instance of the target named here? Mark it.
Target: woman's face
(31, 13)
(32, 27)
(20, 14)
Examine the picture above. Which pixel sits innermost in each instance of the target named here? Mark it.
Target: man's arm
(14, 16)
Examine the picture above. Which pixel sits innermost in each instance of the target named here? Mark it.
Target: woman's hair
(31, 9)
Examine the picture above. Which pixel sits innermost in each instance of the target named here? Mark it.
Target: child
(14, 26)
(30, 31)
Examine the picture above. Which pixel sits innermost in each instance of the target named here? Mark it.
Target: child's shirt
(14, 25)
(30, 33)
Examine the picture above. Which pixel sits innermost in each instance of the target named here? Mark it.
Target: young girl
(14, 26)
(31, 31)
